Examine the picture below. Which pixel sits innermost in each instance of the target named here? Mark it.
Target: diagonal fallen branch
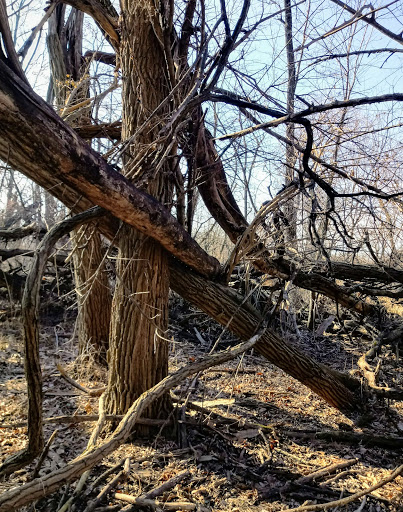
(326, 471)
(72, 382)
(40, 487)
(349, 499)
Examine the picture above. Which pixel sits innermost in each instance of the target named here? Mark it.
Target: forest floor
(244, 441)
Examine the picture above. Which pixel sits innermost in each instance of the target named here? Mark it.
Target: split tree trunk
(91, 281)
(138, 354)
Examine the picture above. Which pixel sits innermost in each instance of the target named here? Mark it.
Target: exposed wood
(166, 486)
(103, 13)
(370, 376)
(326, 471)
(154, 504)
(105, 130)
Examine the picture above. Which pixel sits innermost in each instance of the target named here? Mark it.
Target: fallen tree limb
(40, 487)
(345, 501)
(232, 310)
(341, 436)
(55, 157)
(370, 376)
(83, 418)
(21, 232)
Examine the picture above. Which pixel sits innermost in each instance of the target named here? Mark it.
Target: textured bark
(30, 320)
(229, 308)
(92, 286)
(35, 141)
(138, 355)
(93, 294)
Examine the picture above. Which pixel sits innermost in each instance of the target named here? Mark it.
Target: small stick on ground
(122, 475)
(345, 501)
(326, 471)
(166, 486)
(169, 505)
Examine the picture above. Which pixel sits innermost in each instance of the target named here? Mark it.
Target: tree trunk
(231, 309)
(93, 295)
(92, 286)
(138, 354)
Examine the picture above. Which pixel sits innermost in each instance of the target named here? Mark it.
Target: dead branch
(103, 13)
(82, 418)
(166, 486)
(28, 43)
(42, 457)
(167, 505)
(345, 501)
(371, 21)
(21, 232)
(371, 376)
(122, 475)
(107, 130)
(341, 436)
(90, 392)
(328, 470)
(40, 487)
(30, 320)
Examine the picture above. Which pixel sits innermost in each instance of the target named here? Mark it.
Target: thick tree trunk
(138, 356)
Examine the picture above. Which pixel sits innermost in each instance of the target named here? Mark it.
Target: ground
(245, 432)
